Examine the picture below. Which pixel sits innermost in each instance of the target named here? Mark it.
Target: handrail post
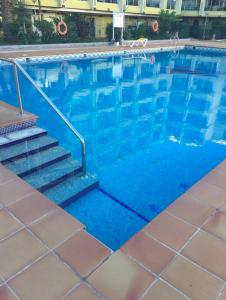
(18, 89)
(83, 150)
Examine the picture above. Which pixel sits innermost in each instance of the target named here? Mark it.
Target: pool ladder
(16, 67)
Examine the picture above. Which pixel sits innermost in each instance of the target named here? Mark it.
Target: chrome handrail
(53, 106)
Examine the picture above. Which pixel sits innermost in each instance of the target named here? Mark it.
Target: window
(108, 1)
(191, 5)
(215, 5)
(171, 4)
(153, 3)
(132, 2)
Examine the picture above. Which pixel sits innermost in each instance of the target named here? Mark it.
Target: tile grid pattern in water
(103, 282)
(134, 111)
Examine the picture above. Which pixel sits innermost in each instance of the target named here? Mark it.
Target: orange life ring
(59, 28)
(155, 26)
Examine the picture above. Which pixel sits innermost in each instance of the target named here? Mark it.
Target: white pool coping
(78, 56)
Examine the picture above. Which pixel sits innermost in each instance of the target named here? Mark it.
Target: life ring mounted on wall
(61, 28)
(155, 26)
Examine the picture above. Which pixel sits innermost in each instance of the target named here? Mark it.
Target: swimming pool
(154, 124)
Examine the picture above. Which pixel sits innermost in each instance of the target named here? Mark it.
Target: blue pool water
(153, 127)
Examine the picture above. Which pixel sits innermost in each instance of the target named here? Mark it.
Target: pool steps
(21, 135)
(51, 175)
(64, 195)
(40, 161)
(37, 160)
(26, 147)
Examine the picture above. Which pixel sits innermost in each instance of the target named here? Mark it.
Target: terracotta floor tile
(121, 278)
(6, 175)
(83, 292)
(217, 225)
(223, 296)
(47, 279)
(18, 251)
(47, 229)
(207, 193)
(149, 252)
(170, 230)
(8, 224)
(217, 178)
(83, 253)
(209, 252)
(6, 294)
(162, 291)
(192, 281)
(14, 190)
(191, 210)
(32, 207)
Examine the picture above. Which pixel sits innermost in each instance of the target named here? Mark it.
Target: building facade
(100, 11)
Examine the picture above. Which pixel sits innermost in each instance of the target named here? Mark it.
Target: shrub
(196, 31)
(184, 30)
(218, 28)
(13, 31)
(168, 23)
(72, 35)
(47, 31)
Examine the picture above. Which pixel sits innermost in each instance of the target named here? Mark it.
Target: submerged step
(71, 189)
(26, 147)
(31, 163)
(52, 175)
(21, 135)
(40, 161)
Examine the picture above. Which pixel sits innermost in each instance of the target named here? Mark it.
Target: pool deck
(47, 254)
(77, 50)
